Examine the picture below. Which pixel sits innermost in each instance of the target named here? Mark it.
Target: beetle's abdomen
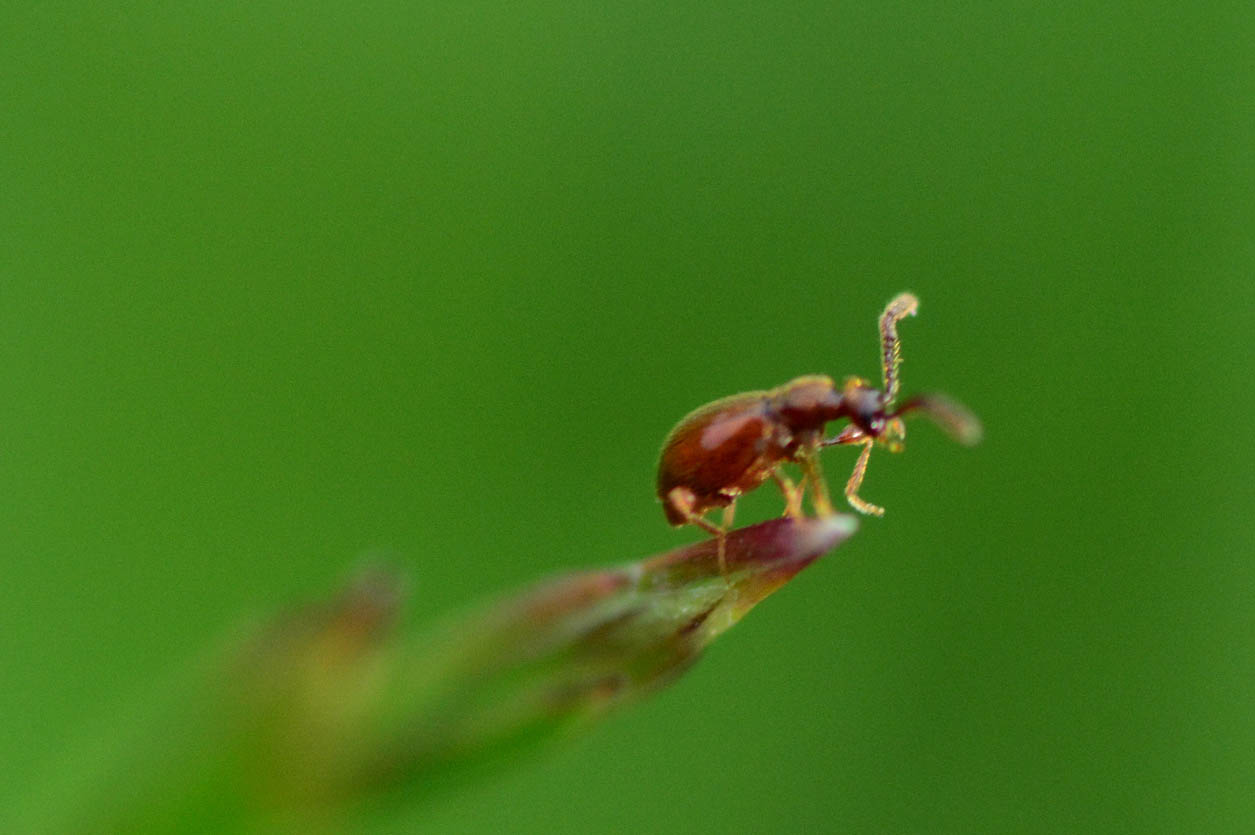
(719, 451)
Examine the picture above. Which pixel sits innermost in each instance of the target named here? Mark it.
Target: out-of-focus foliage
(326, 707)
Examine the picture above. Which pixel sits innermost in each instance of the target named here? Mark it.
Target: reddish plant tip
(779, 547)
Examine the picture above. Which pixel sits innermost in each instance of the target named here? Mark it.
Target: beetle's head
(866, 409)
(864, 405)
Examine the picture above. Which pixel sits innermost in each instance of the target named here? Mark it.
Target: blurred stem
(327, 707)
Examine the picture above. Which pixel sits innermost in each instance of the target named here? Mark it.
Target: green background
(283, 285)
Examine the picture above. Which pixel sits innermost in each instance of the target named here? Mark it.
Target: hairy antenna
(902, 305)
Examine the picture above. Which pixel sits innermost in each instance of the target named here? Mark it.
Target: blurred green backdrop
(284, 284)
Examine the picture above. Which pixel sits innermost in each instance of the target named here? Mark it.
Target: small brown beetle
(731, 446)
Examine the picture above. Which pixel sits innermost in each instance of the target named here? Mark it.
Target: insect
(731, 446)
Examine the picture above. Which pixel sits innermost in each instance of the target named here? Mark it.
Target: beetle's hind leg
(722, 545)
(683, 501)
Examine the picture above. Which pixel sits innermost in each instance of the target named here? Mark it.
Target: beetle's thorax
(807, 403)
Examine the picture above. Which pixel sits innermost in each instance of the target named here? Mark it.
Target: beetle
(729, 447)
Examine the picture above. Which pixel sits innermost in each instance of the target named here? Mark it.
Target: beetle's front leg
(854, 435)
(856, 481)
(849, 435)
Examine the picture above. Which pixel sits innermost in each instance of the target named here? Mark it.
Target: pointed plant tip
(790, 540)
(826, 532)
(768, 546)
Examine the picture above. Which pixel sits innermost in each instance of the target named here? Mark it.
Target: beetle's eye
(871, 416)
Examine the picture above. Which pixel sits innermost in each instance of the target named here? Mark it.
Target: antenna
(902, 305)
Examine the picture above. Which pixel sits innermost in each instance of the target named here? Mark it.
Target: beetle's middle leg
(813, 475)
(792, 493)
(683, 500)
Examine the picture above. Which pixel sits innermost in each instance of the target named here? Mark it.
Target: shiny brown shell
(722, 450)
